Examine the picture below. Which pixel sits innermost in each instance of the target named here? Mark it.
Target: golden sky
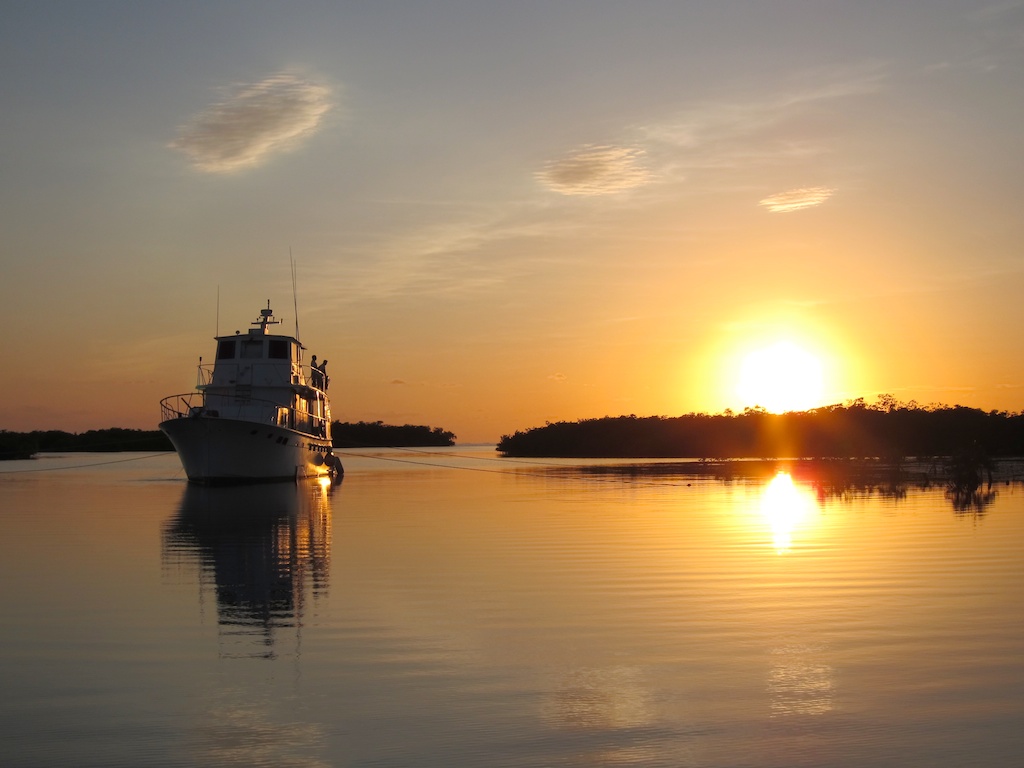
(508, 215)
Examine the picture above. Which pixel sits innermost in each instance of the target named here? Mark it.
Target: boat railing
(204, 375)
(193, 405)
(260, 374)
(315, 378)
(181, 406)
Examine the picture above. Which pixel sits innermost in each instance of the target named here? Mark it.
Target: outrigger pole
(295, 297)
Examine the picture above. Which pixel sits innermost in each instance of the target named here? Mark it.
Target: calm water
(450, 609)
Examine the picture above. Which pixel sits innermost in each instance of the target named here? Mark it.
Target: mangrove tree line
(886, 429)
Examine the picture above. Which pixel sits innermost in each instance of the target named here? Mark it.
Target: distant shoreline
(888, 430)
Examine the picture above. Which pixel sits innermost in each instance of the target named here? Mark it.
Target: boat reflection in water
(266, 549)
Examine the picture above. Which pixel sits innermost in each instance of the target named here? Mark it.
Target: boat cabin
(258, 358)
(256, 369)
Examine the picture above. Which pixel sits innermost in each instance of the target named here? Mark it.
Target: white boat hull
(215, 450)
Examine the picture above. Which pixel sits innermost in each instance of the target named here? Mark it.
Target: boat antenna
(218, 312)
(295, 297)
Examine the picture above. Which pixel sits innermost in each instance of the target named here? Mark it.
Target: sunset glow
(659, 209)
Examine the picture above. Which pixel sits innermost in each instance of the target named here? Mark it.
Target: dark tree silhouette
(378, 434)
(886, 430)
(23, 444)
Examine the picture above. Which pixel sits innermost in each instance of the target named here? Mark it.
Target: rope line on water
(515, 472)
(83, 466)
(425, 452)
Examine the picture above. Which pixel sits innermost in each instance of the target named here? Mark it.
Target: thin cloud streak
(795, 125)
(467, 255)
(254, 123)
(796, 199)
(595, 170)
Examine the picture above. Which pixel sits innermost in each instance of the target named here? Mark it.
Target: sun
(781, 377)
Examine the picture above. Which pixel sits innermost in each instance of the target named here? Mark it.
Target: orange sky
(503, 217)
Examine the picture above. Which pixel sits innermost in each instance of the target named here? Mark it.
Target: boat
(257, 414)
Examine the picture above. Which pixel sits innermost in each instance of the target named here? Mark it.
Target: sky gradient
(507, 214)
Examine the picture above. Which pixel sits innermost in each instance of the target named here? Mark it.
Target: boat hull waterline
(220, 451)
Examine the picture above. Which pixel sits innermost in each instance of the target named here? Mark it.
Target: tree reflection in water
(970, 486)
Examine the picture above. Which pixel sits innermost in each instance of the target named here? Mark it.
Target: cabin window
(278, 349)
(252, 349)
(226, 349)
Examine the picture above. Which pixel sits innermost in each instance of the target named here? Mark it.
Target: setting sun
(781, 377)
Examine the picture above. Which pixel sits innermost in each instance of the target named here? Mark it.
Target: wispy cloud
(475, 247)
(725, 143)
(595, 170)
(796, 199)
(793, 125)
(255, 122)
(465, 253)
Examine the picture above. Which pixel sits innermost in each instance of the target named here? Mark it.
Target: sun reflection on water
(786, 507)
(800, 681)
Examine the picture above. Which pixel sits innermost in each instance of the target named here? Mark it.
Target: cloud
(784, 127)
(796, 199)
(559, 377)
(595, 170)
(254, 123)
(467, 250)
